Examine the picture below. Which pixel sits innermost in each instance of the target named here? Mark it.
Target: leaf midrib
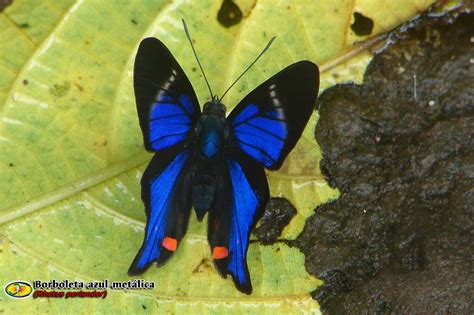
(7, 215)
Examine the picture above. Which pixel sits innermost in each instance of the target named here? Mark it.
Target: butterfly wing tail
(219, 221)
(178, 218)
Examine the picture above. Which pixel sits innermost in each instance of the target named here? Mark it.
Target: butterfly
(210, 162)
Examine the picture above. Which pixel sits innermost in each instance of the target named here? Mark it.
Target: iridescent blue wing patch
(166, 193)
(241, 197)
(268, 122)
(250, 194)
(166, 102)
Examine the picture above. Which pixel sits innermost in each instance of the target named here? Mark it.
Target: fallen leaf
(72, 152)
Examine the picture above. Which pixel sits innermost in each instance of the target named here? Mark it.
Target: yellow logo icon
(18, 289)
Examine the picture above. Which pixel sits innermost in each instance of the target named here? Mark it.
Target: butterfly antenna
(250, 66)
(195, 55)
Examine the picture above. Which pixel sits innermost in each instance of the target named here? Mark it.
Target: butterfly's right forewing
(268, 122)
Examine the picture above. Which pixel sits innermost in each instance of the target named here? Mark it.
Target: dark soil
(277, 215)
(400, 148)
(4, 4)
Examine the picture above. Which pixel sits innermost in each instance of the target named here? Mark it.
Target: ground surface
(401, 150)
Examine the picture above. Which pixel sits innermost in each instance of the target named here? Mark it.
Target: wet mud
(400, 148)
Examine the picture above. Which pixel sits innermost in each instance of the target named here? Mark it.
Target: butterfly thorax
(211, 131)
(210, 137)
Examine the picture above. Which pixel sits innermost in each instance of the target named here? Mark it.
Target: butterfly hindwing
(166, 193)
(268, 122)
(245, 194)
(263, 128)
(250, 196)
(166, 102)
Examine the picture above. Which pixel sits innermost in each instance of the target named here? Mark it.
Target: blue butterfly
(209, 161)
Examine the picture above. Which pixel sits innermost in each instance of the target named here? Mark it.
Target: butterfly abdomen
(208, 156)
(204, 187)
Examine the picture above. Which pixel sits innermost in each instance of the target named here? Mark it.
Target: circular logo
(18, 289)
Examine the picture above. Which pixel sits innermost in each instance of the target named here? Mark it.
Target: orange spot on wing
(219, 252)
(170, 243)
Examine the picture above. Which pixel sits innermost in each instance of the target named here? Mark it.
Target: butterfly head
(214, 107)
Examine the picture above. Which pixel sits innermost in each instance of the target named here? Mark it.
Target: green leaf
(72, 153)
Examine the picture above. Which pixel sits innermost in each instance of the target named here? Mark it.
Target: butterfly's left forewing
(167, 105)
(168, 111)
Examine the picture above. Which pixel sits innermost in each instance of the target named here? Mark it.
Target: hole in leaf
(362, 25)
(229, 14)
